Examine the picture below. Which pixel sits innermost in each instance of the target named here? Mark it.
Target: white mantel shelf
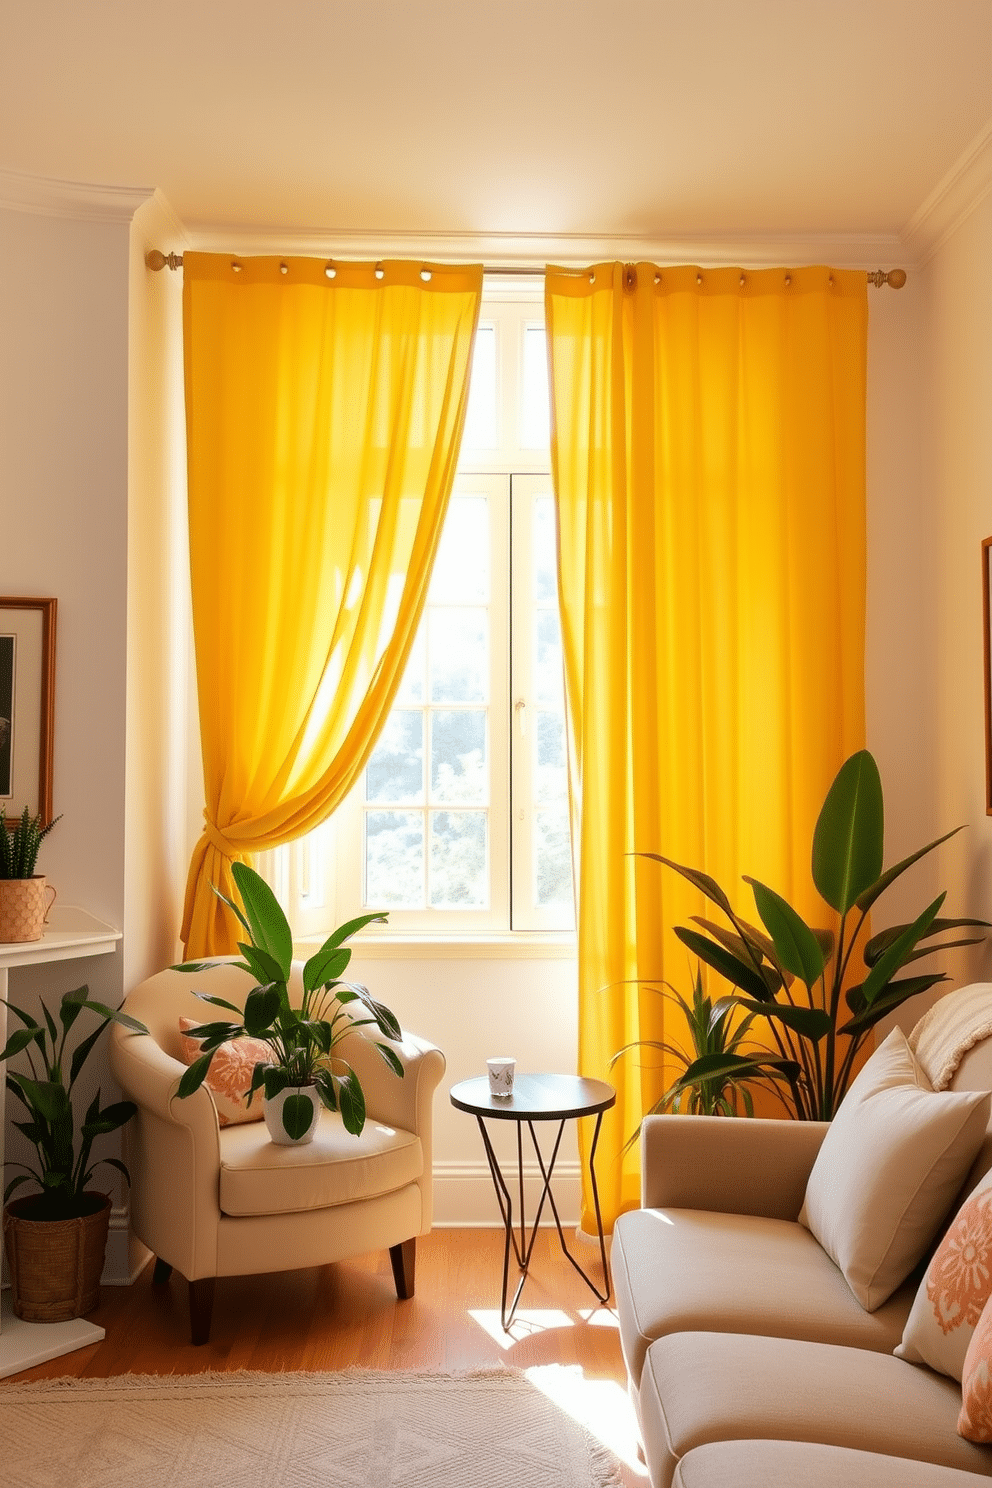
(71, 934)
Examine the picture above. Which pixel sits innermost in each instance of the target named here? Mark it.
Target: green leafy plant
(818, 1005)
(63, 1152)
(718, 1073)
(19, 843)
(302, 1039)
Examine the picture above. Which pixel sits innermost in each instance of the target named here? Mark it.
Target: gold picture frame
(27, 705)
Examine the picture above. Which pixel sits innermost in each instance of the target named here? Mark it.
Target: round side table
(536, 1098)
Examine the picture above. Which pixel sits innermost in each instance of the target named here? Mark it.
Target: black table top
(535, 1098)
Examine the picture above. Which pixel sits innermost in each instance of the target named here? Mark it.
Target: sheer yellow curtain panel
(708, 451)
(324, 410)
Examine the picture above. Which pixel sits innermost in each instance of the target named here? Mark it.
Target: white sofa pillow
(889, 1169)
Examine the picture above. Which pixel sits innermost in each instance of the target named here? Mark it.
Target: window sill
(481, 945)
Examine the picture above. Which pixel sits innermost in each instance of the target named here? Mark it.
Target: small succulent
(19, 843)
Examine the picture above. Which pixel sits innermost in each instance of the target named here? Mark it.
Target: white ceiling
(651, 119)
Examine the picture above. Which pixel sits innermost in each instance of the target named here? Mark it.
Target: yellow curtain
(324, 410)
(709, 461)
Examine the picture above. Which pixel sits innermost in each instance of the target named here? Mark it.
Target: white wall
(474, 1006)
(63, 518)
(960, 476)
(158, 610)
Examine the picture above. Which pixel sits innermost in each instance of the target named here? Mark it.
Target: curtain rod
(157, 260)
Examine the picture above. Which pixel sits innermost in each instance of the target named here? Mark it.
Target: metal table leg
(524, 1249)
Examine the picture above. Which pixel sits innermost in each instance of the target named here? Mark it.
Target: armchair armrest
(405, 1102)
(727, 1165)
(150, 1077)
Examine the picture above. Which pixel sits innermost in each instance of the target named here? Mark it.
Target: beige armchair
(215, 1201)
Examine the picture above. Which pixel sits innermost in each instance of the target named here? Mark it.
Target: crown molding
(535, 250)
(952, 201)
(158, 225)
(80, 201)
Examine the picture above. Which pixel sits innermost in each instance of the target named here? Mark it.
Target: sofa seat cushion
(784, 1464)
(679, 1270)
(259, 1176)
(709, 1387)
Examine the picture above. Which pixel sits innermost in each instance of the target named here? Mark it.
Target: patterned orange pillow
(975, 1420)
(955, 1289)
(229, 1076)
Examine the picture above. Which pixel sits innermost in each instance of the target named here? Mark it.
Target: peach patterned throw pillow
(975, 1420)
(229, 1076)
(955, 1289)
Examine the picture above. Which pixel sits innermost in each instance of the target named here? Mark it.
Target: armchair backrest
(170, 995)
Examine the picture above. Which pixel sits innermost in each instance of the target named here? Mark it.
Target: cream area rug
(353, 1429)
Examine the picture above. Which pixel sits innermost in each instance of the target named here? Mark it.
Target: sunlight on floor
(527, 1322)
(601, 1406)
(531, 1320)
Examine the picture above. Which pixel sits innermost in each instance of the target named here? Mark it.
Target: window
(460, 822)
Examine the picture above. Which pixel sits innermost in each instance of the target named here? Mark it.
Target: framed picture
(27, 705)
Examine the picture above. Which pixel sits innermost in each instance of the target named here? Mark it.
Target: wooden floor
(346, 1314)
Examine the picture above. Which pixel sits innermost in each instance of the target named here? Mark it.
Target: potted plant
(304, 1072)
(819, 1007)
(718, 1071)
(23, 910)
(56, 1238)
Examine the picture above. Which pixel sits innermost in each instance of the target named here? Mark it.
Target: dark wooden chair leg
(201, 1306)
(404, 1262)
(161, 1273)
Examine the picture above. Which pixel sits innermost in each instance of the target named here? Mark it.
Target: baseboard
(117, 1270)
(464, 1197)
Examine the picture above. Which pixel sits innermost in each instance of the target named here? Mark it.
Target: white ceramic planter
(274, 1119)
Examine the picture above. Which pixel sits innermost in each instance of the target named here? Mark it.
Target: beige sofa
(214, 1201)
(750, 1359)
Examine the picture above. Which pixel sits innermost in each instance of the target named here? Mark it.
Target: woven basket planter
(55, 1265)
(24, 906)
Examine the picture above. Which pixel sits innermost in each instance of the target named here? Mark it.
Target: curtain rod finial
(155, 259)
(895, 278)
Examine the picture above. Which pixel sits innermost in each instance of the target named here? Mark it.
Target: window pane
(396, 770)
(481, 429)
(394, 859)
(459, 771)
(552, 774)
(461, 569)
(458, 860)
(545, 551)
(553, 859)
(548, 659)
(458, 647)
(535, 418)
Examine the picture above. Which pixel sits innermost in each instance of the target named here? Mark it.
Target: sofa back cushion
(889, 1169)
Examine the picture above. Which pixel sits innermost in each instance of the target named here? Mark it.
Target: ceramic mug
(501, 1076)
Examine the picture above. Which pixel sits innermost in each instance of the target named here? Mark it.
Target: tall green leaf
(894, 995)
(700, 881)
(325, 965)
(813, 1023)
(269, 926)
(890, 962)
(736, 971)
(867, 899)
(848, 839)
(795, 944)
